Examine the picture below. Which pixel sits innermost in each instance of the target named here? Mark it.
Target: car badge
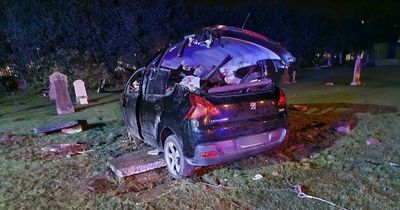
(253, 105)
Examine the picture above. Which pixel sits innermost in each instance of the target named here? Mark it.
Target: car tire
(177, 165)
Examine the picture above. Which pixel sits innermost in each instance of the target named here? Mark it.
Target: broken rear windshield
(244, 54)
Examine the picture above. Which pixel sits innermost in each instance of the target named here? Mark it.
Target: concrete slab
(135, 163)
(58, 126)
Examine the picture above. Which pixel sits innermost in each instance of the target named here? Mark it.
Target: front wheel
(177, 166)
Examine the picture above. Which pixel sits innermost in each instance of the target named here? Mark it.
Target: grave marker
(80, 92)
(52, 92)
(357, 70)
(63, 100)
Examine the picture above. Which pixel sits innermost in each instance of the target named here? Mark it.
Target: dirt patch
(230, 204)
(9, 139)
(140, 186)
(311, 132)
(143, 181)
(100, 183)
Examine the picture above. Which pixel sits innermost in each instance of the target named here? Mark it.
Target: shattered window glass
(157, 81)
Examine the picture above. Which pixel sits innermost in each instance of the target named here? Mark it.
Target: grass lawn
(337, 167)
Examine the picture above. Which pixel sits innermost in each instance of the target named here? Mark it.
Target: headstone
(357, 70)
(52, 92)
(63, 100)
(294, 77)
(80, 92)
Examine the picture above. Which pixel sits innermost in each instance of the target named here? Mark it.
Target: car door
(152, 104)
(130, 100)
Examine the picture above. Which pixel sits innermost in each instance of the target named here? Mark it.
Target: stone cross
(357, 70)
(63, 100)
(80, 92)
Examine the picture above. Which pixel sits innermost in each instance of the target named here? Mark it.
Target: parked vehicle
(210, 99)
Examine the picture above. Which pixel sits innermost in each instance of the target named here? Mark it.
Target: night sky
(336, 8)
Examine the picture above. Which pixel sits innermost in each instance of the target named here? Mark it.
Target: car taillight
(282, 98)
(200, 107)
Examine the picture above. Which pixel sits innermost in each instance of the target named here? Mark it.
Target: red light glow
(210, 154)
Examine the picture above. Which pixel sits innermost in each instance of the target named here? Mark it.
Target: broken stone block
(135, 163)
(58, 126)
(72, 130)
(65, 150)
(343, 128)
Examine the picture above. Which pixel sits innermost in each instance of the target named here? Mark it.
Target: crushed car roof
(246, 47)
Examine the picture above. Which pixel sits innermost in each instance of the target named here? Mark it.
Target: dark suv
(210, 99)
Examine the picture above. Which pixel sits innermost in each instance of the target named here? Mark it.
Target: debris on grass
(154, 152)
(257, 177)
(394, 165)
(329, 84)
(9, 139)
(314, 155)
(63, 150)
(275, 173)
(300, 191)
(302, 108)
(373, 142)
(343, 128)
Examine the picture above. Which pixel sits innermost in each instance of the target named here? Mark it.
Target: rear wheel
(177, 165)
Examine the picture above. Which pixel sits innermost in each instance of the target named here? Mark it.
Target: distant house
(386, 54)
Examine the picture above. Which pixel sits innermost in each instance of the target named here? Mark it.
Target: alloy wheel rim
(172, 157)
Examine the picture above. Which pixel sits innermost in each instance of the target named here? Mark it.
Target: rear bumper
(238, 148)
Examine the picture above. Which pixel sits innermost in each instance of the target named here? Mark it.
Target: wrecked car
(210, 99)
